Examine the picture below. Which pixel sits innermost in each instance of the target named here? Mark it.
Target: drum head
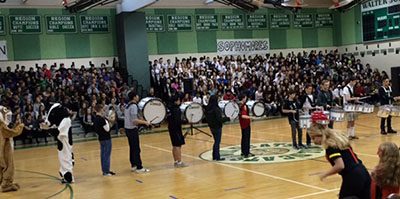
(231, 110)
(258, 109)
(153, 110)
(194, 113)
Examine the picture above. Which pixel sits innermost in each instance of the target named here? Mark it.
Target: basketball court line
(313, 194)
(243, 169)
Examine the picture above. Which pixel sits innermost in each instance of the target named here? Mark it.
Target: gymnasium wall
(58, 46)
(205, 41)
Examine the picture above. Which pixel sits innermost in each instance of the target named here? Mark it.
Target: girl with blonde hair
(356, 181)
(386, 175)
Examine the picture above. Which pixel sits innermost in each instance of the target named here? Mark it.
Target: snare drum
(327, 114)
(192, 111)
(152, 109)
(349, 108)
(305, 121)
(394, 112)
(257, 108)
(384, 111)
(368, 108)
(229, 108)
(359, 108)
(337, 115)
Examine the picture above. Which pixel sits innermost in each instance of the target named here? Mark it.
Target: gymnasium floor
(37, 167)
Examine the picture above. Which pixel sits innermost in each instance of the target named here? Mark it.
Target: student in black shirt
(386, 98)
(102, 129)
(175, 131)
(291, 108)
(356, 181)
(325, 98)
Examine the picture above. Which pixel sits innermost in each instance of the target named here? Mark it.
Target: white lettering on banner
(3, 50)
(376, 4)
(242, 46)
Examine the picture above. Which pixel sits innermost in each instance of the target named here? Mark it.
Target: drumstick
(361, 98)
(315, 174)
(153, 119)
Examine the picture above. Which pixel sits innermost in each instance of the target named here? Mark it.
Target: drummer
(131, 130)
(348, 99)
(291, 108)
(386, 98)
(325, 99)
(307, 103)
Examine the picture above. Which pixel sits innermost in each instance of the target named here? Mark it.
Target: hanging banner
(3, 50)
(226, 47)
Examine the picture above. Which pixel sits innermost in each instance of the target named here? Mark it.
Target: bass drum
(229, 108)
(257, 108)
(152, 109)
(192, 111)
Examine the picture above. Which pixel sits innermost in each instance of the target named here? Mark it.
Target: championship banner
(3, 50)
(226, 47)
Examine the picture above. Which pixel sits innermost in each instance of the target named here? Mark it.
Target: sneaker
(180, 164)
(109, 174)
(251, 155)
(383, 133)
(309, 145)
(295, 147)
(354, 137)
(133, 168)
(303, 147)
(142, 170)
(392, 131)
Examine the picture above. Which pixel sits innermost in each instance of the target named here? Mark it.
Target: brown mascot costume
(7, 168)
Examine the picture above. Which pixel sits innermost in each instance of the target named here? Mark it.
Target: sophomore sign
(242, 46)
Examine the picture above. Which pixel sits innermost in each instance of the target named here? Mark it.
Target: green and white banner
(226, 47)
(376, 4)
(3, 50)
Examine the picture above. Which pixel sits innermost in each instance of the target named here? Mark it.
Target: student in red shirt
(244, 120)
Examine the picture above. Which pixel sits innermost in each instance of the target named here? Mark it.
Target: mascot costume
(59, 122)
(7, 168)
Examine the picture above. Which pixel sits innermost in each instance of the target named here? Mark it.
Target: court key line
(243, 169)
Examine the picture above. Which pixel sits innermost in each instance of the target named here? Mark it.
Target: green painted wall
(348, 27)
(205, 41)
(59, 46)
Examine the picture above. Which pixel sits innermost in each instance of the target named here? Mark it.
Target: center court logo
(272, 152)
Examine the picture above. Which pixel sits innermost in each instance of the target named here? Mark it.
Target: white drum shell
(337, 115)
(229, 108)
(305, 121)
(192, 111)
(257, 108)
(152, 109)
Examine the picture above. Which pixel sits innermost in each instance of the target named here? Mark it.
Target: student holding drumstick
(386, 98)
(131, 130)
(292, 108)
(356, 180)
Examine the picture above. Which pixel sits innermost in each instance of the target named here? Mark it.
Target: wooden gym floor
(37, 167)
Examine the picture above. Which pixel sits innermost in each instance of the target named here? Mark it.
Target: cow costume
(59, 121)
(7, 169)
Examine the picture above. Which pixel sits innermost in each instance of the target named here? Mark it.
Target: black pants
(295, 125)
(356, 182)
(389, 123)
(134, 147)
(246, 141)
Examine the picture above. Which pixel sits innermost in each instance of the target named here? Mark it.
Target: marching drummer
(131, 130)
(307, 103)
(292, 108)
(386, 98)
(348, 99)
(325, 99)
